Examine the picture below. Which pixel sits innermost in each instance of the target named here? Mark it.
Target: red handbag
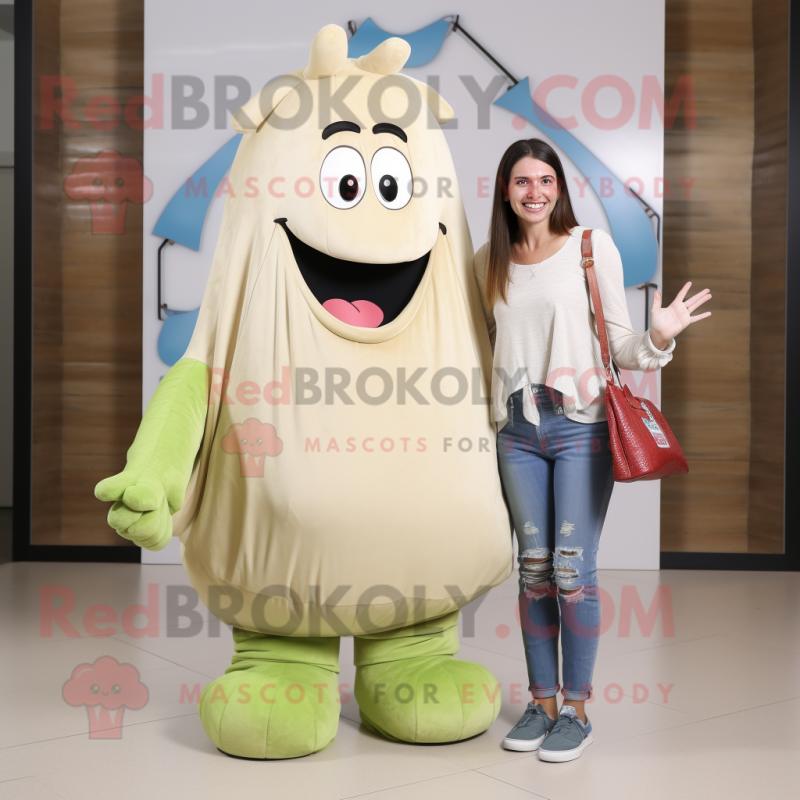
(643, 445)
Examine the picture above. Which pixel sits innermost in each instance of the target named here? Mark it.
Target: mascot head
(351, 164)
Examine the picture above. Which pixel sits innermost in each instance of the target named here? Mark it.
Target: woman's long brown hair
(504, 226)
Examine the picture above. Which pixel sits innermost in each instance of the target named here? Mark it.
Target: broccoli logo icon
(104, 687)
(109, 182)
(253, 441)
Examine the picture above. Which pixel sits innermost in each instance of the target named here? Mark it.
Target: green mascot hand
(151, 487)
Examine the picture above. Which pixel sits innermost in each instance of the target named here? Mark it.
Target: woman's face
(532, 189)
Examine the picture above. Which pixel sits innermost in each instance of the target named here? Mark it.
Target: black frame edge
(86, 553)
(751, 562)
(23, 276)
(791, 473)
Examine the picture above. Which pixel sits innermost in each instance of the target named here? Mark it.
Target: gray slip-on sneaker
(529, 732)
(568, 738)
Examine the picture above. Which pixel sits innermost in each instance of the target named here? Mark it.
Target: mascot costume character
(325, 444)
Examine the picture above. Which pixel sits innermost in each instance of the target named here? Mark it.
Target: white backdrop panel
(257, 41)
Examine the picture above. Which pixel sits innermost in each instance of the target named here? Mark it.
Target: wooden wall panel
(724, 392)
(47, 345)
(707, 239)
(98, 303)
(768, 293)
(103, 51)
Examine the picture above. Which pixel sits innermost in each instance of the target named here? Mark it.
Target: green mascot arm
(151, 487)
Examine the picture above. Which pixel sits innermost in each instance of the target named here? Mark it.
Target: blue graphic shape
(176, 333)
(630, 226)
(183, 219)
(425, 43)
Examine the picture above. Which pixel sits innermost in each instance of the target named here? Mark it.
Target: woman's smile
(533, 207)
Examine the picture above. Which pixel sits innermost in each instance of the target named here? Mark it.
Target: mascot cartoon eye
(343, 177)
(391, 178)
(116, 688)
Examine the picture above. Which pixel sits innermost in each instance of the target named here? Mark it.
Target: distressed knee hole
(536, 555)
(536, 570)
(571, 595)
(565, 573)
(567, 528)
(567, 578)
(538, 591)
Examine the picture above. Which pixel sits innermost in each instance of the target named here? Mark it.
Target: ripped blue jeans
(558, 479)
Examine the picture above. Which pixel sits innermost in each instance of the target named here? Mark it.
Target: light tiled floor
(702, 708)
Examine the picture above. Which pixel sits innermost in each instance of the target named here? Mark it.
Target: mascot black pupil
(348, 188)
(388, 188)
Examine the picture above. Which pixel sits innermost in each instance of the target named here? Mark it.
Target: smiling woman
(553, 438)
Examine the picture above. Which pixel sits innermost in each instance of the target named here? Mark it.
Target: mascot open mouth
(358, 294)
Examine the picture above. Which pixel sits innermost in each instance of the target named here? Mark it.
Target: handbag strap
(587, 262)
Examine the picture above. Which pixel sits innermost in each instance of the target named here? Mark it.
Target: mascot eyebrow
(338, 127)
(387, 127)
(381, 127)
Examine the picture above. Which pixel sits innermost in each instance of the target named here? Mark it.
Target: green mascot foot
(278, 699)
(410, 688)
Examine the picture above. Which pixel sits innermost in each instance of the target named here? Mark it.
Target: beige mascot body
(350, 516)
(346, 481)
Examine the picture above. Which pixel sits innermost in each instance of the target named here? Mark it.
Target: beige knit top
(546, 333)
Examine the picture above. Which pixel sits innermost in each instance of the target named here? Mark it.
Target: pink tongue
(361, 313)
